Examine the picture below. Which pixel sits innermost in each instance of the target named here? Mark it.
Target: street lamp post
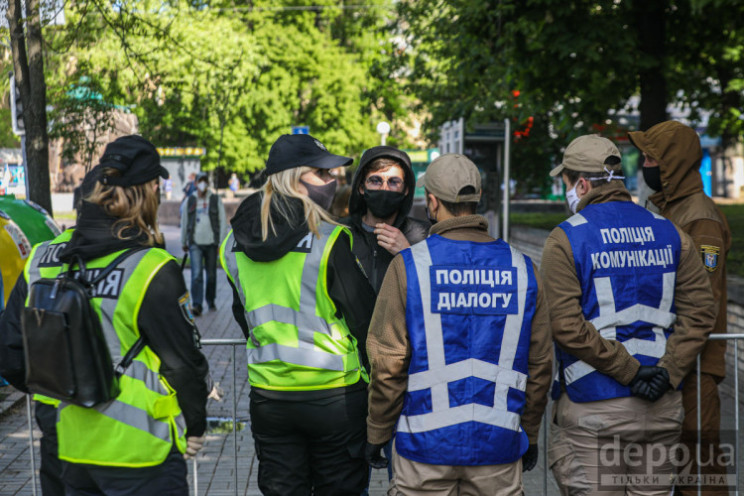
(384, 129)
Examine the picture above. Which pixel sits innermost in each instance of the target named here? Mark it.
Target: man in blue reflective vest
(460, 351)
(630, 309)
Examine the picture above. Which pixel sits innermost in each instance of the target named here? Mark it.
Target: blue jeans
(203, 257)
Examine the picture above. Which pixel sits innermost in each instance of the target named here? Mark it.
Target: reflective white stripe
(459, 414)
(657, 216)
(108, 306)
(606, 302)
(277, 313)
(576, 220)
(34, 271)
(513, 326)
(131, 416)
(138, 370)
(472, 367)
(439, 374)
(432, 328)
(298, 356)
(661, 316)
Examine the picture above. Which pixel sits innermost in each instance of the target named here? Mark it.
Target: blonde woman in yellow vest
(304, 305)
(134, 444)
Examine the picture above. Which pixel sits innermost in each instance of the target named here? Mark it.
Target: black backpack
(67, 357)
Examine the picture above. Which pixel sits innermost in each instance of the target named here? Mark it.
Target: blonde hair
(286, 183)
(135, 206)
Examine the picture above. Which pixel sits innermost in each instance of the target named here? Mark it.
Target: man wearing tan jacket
(672, 156)
(630, 309)
(460, 351)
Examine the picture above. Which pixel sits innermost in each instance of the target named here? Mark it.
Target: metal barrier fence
(241, 342)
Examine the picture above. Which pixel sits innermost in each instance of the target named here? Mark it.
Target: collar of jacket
(464, 222)
(603, 193)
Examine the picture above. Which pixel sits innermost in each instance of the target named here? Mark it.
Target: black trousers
(311, 447)
(166, 479)
(50, 471)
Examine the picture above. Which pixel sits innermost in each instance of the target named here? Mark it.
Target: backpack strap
(138, 345)
(106, 271)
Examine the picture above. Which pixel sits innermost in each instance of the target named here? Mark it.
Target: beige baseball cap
(587, 154)
(448, 174)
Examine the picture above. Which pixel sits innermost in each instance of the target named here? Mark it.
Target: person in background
(671, 167)
(382, 192)
(203, 227)
(190, 187)
(168, 188)
(304, 306)
(135, 444)
(630, 309)
(234, 183)
(340, 206)
(460, 352)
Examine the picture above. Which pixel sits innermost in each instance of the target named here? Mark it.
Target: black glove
(640, 385)
(529, 459)
(659, 384)
(373, 455)
(650, 383)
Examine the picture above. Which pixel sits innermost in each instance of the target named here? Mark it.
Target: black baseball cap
(136, 158)
(297, 150)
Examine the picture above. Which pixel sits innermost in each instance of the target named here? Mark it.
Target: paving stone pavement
(216, 462)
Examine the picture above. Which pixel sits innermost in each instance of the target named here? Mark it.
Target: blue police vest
(626, 261)
(469, 311)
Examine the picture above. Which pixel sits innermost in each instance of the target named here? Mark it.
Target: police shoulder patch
(710, 257)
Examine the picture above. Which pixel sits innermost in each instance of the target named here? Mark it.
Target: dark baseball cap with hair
(383, 151)
(137, 160)
(298, 150)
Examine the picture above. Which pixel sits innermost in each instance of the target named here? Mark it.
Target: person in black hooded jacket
(304, 305)
(381, 197)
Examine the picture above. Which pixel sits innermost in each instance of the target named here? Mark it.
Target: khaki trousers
(412, 478)
(615, 447)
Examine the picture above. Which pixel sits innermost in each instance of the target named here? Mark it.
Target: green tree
(574, 64)
(233, 76)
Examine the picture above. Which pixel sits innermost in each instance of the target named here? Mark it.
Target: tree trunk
(649, 16)
(29, 73)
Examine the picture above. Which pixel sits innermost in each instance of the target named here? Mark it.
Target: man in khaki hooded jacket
(630, 309)
(671, 167)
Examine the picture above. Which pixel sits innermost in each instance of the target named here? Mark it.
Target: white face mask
(201, 186)
(572, 199)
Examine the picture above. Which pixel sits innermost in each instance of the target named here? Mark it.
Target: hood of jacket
(287, 233)
(357, 205)
(676, 148)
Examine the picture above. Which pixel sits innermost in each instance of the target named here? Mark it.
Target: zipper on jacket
(374, 268)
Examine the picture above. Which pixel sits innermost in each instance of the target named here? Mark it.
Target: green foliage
(575, 65)
(735, 260)
(234, 76)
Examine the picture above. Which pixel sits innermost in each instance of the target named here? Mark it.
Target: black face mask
(652, 176)
(321, 195)
(382, 203)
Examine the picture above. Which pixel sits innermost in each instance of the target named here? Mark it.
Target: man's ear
(433, 203)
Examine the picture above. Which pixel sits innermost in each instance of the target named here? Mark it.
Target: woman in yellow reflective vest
(135, 443)
(304, 304)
